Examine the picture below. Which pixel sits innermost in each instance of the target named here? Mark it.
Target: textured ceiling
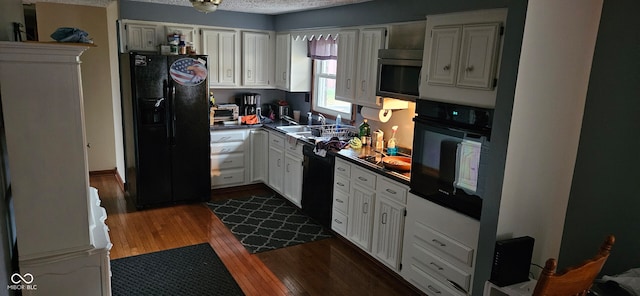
(250, 6)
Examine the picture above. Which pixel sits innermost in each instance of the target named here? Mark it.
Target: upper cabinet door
(222, 47)
(443, 61)
(371, 40)
(283, 61)
(256, 57)
(346, 71)
(141, 37)
(478, 55)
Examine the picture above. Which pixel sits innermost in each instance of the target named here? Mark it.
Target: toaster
(224, 112)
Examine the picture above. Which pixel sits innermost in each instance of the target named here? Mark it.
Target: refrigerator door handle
(173, 114)
(167, 112)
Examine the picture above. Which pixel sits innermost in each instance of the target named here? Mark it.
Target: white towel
(468, 163)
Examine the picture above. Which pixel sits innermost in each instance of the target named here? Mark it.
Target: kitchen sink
(294, 128)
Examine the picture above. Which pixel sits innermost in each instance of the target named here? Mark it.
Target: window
(324, 91)
(324, 55)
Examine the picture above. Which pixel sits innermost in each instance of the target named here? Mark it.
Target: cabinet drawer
(227, 136)
(339, 223)
(343, 168)
(444, 244)
(227, 177)
(340, 201)
(342, 184)
(293, 147)
(363, 178)
(392, 190)
(226, 161)
(276, 140)
(218, 148)
(427, 283)
(442, 268)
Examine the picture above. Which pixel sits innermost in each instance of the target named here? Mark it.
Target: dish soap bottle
(392, 149)
(365, 133)
(338, 121)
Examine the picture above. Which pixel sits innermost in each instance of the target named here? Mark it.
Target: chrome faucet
(309, 118)
(322, 119)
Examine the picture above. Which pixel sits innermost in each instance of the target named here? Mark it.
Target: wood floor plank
(325, 267)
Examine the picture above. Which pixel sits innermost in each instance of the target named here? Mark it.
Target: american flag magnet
(188, 72)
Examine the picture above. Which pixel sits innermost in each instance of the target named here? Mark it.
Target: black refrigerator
(165, 109)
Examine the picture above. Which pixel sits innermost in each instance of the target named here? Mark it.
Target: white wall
(112, 17)
(557, 51)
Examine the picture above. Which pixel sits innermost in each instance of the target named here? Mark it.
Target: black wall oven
(449, 157)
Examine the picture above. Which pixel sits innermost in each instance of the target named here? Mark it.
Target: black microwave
(399, 73)
(449, 159)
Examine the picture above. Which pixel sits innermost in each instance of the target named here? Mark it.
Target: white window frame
(315, 107)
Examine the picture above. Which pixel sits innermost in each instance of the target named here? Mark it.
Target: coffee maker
(250, 104)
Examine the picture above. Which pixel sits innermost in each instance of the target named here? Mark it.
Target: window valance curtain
(322, 49)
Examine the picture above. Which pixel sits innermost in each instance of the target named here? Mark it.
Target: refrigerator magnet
(188, 72)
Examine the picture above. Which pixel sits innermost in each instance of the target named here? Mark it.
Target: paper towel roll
(381, 115)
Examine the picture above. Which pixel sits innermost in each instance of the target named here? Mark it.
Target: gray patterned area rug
(192, 270)
(267, 223)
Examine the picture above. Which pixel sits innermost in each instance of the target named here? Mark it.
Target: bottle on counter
(392, 149)
(365, 133)
(338, 121)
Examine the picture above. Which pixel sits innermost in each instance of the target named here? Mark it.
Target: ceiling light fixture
(205, 6)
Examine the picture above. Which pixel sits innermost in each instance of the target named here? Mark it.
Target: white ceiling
(249, 6)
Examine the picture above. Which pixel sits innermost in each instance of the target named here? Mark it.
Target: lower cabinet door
(276, 169)
(361, 217)
(293, 179)
(388, 232)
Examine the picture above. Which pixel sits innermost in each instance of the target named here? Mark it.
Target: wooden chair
(576, 280)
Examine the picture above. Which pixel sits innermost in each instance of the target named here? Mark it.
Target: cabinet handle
(438, 242)
(224, 138)
(340, 200)
(434, 289)
(340, 184)
(248, 73)
(228, 72)
(447, 67)
(341, 169)
(384, 218)
(363, 179)
(337, 221)
(365, 207)
(226, 178)
(284, 76)
(391, 191)
(287, 167)
(225, 150)
(227, 161)
(436, 266)
(363, 84)
(469, 69)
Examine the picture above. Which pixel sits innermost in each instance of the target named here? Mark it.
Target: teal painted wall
(604, 196)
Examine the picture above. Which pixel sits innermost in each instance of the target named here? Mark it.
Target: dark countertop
(352, 155)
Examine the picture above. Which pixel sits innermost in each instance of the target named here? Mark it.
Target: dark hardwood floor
(325, 267)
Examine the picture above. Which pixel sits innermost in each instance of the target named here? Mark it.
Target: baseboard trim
(113, 172)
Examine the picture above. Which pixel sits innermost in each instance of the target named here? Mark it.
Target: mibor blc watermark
(22, 282)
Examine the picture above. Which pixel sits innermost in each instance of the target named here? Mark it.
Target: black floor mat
(192, 270)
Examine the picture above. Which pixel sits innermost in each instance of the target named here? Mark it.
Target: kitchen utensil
(397, 163)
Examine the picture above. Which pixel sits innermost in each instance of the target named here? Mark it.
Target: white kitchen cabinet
(361, 206)
(347, 63)
(293, 66)
(141, 37)
(223, 49)
(370, 41)
(228, 158)
(478, 56)
(293, 179)
(438, 248)
(389, 223)
(63, 241)
(445, 45)
(259, 154)
(276, 161)
(256, 59)
(189, 33)
(461, 57)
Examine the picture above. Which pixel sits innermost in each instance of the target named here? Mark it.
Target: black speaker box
(511, 261)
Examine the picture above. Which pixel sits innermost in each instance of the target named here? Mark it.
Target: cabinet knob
(447, 67)
(469, 69)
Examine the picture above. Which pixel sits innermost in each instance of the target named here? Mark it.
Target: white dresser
(63, 241)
